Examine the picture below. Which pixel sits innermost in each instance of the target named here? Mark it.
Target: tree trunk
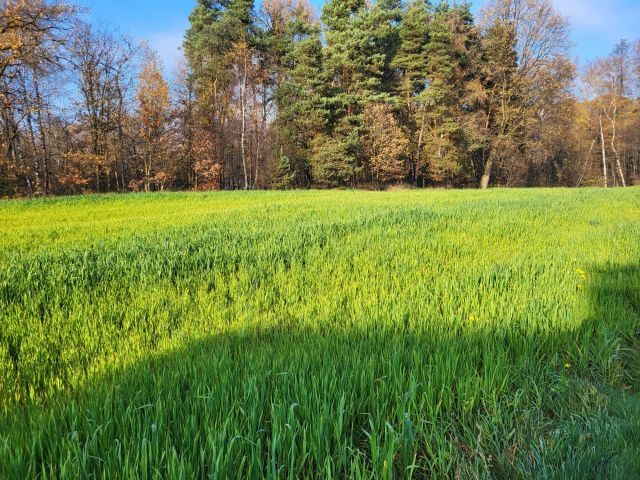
(243, 133)
(586, 163)
(121, 143)
(486, 174)
(41, 127)
(147, 172)
(36, 159)
(613, 144)
(419, 146)
(604, 152)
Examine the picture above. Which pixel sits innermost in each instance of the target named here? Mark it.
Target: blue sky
(596, 24)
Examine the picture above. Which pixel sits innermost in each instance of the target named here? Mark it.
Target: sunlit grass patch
(321, 334)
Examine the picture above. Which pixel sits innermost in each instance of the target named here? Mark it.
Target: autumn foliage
(271, 96)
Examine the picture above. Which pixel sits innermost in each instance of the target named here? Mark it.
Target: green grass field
(412, 334)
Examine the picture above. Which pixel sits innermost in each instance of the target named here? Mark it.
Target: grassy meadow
(339, 334)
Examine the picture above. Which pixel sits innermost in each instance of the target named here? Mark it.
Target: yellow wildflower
(582, 274)
(567, 365)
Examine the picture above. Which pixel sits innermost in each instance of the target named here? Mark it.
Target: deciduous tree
(153, 112)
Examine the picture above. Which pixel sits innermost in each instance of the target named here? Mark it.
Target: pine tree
(411, 63)
(469, 90)
(439, 129)
(411, 59)
(217, 28)
(361, 44)
(302, 112)
(504, 116)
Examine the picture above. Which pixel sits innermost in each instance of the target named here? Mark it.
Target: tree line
(367, 95)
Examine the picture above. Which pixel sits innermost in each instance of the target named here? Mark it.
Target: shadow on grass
(343, 401)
